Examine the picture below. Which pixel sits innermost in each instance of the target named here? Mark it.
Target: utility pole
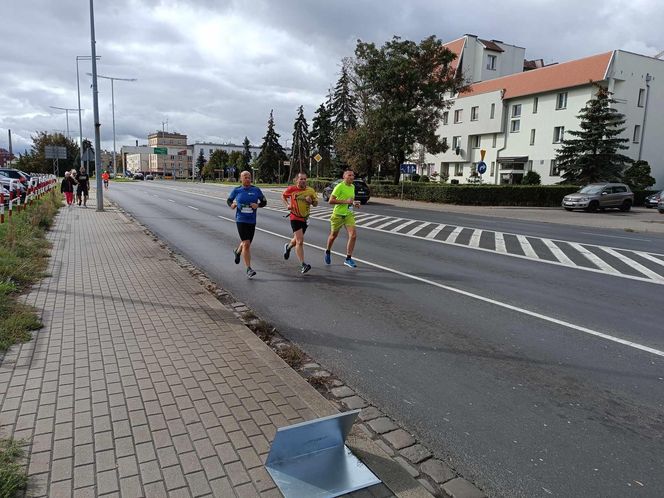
(95, 105)
(80, 123)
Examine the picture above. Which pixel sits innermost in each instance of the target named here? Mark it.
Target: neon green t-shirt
(343, 192)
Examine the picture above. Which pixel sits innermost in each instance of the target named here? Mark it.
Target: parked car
(138, 176)
(362, 192)
(15, 175)
(653, 200)
(149, 177)
(660, 205)
(600, 196)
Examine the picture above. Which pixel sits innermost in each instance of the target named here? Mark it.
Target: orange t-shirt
(298, 206)
(105, 176)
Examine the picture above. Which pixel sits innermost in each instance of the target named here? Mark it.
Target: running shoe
(350, 263)
(305, 268)
(237, 256)
(328, 258)
(287, 249)
(250, 273)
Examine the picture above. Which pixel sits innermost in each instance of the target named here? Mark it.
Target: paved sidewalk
(141, 383)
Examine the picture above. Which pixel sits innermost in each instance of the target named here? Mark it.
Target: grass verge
(23, 259)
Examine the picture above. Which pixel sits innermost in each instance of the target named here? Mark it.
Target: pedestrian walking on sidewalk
(83, 187)
(298, 199)
(67, 188)
(343, 199)
(105, 177)
(245, 199)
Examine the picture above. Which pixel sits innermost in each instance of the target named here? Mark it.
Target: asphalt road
(533, 372)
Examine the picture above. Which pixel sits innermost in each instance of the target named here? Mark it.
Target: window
(532, 136)
(493, 111)
(475, 141)
(515, 126)
(535, 103)
(637, 134)
(456, 142)
(445, 169)
(642, 96)
(444, 141)
(474, 113)
(493, 167)
(491, 62)
(458, 114)
(494, 140)
(554, 170)
(516, 110)
(446, 117)
(558, 134)
(619, 190)
(561, 101)
(458, 170)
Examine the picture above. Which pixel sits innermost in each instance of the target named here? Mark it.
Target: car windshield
(591, 189)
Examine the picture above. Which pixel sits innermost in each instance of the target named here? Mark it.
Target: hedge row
(478, 195)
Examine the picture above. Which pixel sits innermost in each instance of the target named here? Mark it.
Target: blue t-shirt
(243, 197)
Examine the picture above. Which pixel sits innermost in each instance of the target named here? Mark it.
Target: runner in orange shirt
(298, 199)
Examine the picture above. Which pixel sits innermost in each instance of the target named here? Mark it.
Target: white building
(521, 119)
(136, 157)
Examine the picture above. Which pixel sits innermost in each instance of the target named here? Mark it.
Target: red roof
(565, 75)
(456, 47)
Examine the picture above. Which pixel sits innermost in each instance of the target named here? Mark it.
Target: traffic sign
(55, 152)
(318, 158)
(160, 150)
(408, 168)
(481, 167)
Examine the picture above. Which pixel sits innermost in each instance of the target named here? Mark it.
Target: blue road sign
(408, 168)
(481, 167)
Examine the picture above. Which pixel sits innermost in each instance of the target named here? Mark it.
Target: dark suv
(362, 192)
(600, 196)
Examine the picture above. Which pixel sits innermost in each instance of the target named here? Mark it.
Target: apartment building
(521, 119)
(136, 157)
(177, 159)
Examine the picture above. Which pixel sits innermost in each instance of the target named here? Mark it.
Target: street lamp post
(113, 79)
(66, 109)
(80, 123)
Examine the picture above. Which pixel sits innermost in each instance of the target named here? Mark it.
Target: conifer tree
(343, 105)
(321, 138)
(246, 153)
(593, 154)
(301, 149)
(200, 164)
(271, 155)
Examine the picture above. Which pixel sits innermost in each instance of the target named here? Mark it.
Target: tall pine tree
(200, 164)
(271, 155)
(321, 138)
(246, 153)
(343, 105)
(593, 154)
(301, 150)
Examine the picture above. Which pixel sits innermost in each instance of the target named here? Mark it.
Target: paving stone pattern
(141, 383)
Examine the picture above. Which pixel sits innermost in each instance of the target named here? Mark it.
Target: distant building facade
(209, 148)
(177, 161)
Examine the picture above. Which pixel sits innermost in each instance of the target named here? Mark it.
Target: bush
(424, 178)
(414, 177)
(531, 178)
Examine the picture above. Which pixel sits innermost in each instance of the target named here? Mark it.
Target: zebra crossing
(638, 265)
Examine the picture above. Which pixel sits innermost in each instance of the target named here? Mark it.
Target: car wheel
(626, 205)
(661, 211)
(568, 209)
(592, 207)
(364, 201)
(325, 197)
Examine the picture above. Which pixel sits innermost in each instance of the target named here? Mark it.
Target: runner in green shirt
(343, 199)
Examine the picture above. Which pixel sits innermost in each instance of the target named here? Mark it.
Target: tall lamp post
(80, 123)
(66, 109)
(113, 79)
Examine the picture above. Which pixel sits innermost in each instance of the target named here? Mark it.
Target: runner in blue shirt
(246, 200)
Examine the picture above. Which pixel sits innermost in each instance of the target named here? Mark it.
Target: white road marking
(527, 248)
(597, 261)
(637, 266)
(432, 234)
(454, 235)
(475, 238)
(419, 227)
(403, 225)
(393, 220)
(615, 236)
(500, 243)
(558, 253)
(192, 207)
(650, 257)
(495, 302)
(171, 200)
(370, 217)
(377, 220)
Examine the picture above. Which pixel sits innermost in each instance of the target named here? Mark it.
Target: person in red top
(105, 176)
(298, 199)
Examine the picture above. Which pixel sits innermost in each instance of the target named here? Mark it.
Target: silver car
(600, 196)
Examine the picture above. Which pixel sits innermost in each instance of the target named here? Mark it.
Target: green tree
(216, 165)
(406, 84)
(301, 150)
(35, 160)
(593, 154)
(342, 104)
(236, 160)
(246, 153)
(270, 160)
(321, 138)
(638, 177)
(531, 178)
(200, 163)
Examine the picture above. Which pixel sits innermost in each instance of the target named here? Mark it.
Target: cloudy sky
(214, 68)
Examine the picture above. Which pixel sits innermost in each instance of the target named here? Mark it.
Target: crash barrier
(33, 192)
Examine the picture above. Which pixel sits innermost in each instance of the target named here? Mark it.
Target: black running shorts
(298, 225)
(246, 231)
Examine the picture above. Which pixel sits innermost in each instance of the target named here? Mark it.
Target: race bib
(245, 208)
